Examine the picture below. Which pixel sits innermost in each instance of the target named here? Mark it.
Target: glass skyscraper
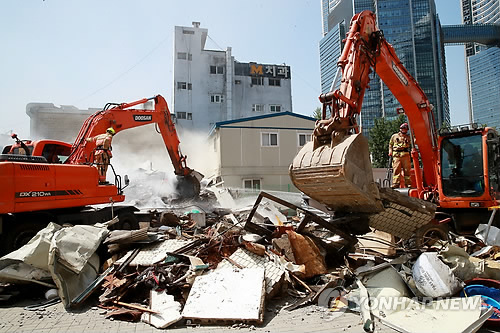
(413, 29)
(483, 65)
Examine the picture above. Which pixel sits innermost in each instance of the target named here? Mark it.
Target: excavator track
(340, 177)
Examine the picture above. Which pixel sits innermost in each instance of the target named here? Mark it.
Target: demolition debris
(203, 263)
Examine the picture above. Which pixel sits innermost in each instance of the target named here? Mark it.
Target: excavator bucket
(340, 177)
(189, 186)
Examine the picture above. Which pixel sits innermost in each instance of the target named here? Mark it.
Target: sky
(87, 53)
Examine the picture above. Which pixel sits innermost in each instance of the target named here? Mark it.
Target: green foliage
(317, 113)
(380, 134)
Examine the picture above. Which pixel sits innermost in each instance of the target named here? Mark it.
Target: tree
(317, 113)
(380, 134)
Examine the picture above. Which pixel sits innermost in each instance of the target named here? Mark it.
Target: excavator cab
(470, 165)
(462, 166)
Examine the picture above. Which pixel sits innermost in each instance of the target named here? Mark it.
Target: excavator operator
(102, 153)
(399, 149)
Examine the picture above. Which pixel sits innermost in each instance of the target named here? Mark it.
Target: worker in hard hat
(399, 149)
(102, 153)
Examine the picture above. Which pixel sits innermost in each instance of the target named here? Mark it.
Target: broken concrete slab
(224, 197)
(274, 270)
(227, 295)
(169, 311)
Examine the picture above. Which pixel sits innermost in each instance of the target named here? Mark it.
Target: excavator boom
(334, 168)
(123, 116)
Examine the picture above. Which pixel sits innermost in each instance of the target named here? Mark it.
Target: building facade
(483, 65)
(413, 29)
(211, 86)
(48, 121)
(256, 152)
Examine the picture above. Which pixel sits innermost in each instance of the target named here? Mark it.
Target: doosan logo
(143, 117)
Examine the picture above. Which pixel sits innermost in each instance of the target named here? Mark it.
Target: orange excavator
(456, 168)
(53, 181)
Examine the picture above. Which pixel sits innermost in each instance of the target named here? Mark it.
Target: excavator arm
(122, 117)
(335, 168)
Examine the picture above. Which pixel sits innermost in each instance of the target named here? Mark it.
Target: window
(237, 81)
(304, 138)
(189, 116)
(269, 139)
(53, 153)
(252, 184)
(181, 115)
(257, 107)
(258, 81)
(184, 56)
(275, 108)
(462, 166)
(274, 82)
(216, 69)
(188, 32)
(184, 86)
(216, 98)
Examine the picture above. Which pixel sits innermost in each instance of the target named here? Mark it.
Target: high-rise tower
(413, 29)
(483, 65)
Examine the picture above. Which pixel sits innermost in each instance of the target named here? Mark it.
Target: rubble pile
(193, 264)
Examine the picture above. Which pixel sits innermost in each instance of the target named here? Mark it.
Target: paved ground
(89, 319)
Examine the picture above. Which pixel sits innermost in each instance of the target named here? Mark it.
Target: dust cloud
(141, 154)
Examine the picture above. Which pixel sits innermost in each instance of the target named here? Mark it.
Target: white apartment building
(211, 86)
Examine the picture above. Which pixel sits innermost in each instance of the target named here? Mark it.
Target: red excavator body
(42, 179)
